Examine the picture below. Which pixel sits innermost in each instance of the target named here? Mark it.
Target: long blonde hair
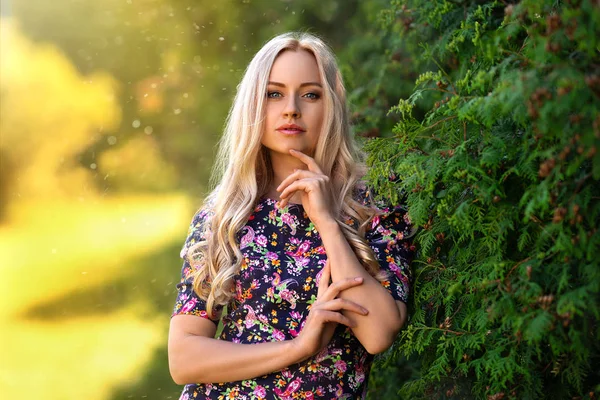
(242, 172)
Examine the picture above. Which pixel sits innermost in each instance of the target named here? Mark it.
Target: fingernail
(358, 279)
(365, 311)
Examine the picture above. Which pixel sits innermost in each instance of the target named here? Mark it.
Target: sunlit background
(110, 112)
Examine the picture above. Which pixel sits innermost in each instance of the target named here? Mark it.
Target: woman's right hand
(325, 313)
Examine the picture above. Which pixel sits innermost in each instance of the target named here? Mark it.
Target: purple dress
(283, 258)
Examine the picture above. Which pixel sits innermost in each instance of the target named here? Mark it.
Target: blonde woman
(313, 277)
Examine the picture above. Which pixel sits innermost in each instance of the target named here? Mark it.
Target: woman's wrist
(326, 224)
(296, 352)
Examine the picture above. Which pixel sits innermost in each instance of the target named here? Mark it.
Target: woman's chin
(285, 151)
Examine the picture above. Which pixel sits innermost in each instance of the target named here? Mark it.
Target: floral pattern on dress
(283, 259)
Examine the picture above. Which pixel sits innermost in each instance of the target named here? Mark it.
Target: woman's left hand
(315, 187)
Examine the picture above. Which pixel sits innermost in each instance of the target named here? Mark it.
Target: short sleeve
(390, 236)
(188, 302)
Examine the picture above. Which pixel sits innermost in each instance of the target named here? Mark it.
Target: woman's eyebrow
(301, 85)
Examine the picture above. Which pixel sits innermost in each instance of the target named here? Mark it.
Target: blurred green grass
(95, 335)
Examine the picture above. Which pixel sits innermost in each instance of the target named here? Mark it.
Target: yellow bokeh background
(61, 235)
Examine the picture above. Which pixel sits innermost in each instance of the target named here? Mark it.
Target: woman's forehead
(295, 67)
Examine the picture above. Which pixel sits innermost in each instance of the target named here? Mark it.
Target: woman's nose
(291, 109)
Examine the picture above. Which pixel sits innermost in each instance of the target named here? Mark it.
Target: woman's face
(294, 106)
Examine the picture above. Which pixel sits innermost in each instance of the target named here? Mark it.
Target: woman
(311, 291)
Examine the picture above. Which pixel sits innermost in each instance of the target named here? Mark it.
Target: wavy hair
(242, 173)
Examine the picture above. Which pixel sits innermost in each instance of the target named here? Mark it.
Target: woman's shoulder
(202, 215)
(386, 214)
(197, 229)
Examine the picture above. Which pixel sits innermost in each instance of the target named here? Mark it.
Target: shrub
(495, 153)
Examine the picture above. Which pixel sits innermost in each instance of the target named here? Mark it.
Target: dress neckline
(273, 202)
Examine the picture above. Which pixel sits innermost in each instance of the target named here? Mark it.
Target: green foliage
(495, 154)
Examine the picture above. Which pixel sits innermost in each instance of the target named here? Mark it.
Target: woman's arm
(377, 330)
(196, 357)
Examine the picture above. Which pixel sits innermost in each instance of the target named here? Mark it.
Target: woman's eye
(273, 95)
(312, 96)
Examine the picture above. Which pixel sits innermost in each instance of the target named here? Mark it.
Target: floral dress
(283, 258)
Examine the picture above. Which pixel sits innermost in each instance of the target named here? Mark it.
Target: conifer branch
(446, 75)
(519, 190)
(516, 265)
(579, 184)
(438, 122)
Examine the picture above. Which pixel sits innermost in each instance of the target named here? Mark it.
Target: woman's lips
(290, 131)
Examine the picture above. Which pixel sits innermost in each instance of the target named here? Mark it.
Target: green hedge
(494, 150)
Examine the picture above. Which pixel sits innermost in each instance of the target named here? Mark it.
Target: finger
(283, 203)
(324, 281)
(306, 185)
(324, 316)
(285, 200)
(285, 184)
(294, 176)
(342, 304)
(308, 160)
(335, 288)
